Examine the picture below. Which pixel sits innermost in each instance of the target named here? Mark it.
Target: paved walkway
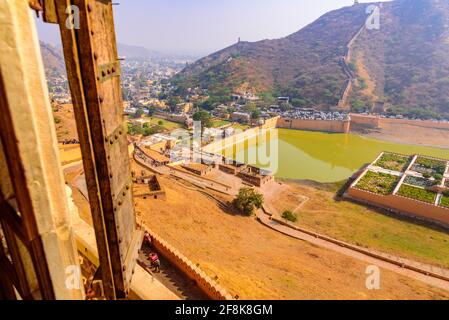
(350, 250)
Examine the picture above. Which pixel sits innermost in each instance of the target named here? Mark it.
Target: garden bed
(429, 166)
(418, 182)
(417, 194)
(395, 162)
(444, 202)
(378, 182)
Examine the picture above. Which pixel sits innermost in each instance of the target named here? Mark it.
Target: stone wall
(368, 121)
(415, 208)
(336, 126)
(219, 145)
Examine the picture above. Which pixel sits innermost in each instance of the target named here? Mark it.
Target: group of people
(152, 256)
(70, 141)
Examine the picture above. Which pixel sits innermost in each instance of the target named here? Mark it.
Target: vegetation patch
(428, 166)
(418, 182)
(290, 216)
(378, 182)
(417, 193)
(146, 129)
(393, 162)
(444, 201)
(248, 200)
(219, 123)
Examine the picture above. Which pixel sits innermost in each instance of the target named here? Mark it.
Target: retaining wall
(364, 120)
(415, 208)
(336, 126)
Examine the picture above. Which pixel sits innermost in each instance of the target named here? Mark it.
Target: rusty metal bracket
(131, 258)
(119, 198)
(108, 70)
(115, 135)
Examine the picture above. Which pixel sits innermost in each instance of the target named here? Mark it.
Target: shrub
(138, 113)
(247, 200)
(290, 216)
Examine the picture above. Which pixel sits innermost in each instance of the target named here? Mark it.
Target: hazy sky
(204, 26)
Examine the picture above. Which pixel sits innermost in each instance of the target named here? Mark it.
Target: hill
(53, 60)
(405, 63)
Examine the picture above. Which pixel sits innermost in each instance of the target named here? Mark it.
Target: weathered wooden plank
(20, 274)
(99, 107)
(49, 8)
(32, 158)
(72, 61)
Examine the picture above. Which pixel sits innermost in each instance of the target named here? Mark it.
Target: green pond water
(318, 156)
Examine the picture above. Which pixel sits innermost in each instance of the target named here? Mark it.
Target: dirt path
(409, 134)
(265, 219)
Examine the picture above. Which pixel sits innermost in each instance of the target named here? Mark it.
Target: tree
(352, 66)
(358, 106)
(204, 117)
(285, 106)
(153, 130)
(138, 114)
(151, 110)
(297, 102)
(160, 122)
(255, 114)
(247, 200)
(134, 129)
(173, 101)
(250, 107)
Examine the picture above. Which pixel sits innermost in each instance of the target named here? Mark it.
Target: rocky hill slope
(405, 63)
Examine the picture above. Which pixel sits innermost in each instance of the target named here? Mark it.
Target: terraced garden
(417, 193)
(378, 182)
(395, 162)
